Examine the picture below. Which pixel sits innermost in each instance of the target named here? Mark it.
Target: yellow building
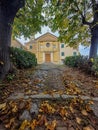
(17, 44)
(47, 48)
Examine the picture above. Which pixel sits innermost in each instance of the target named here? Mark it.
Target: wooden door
(47, 58)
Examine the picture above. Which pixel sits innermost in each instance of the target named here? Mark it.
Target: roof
(47, 37)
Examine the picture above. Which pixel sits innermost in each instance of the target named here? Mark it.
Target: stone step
(48, 96)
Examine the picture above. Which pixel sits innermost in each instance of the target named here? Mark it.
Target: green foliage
(66, 16)
(72, 61)
(83, 63)
(29, 19)
(22, 58)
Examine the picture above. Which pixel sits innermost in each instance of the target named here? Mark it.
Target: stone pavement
(50, 77)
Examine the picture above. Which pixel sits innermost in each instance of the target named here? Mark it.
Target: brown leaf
(63, 112)
(42, 120)
(33, 124)
(10, 123)
(78, 120)
(88, 128)
(51, 126)
(2, 106)
(15, 108)
(84, 112)
(24, 124)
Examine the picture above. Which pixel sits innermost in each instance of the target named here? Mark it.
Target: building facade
(17, 44)
(48, 49)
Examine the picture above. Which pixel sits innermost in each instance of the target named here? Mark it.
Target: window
(74, 53)
(30, 46)
(47, 44)
(62, 54)
(62, 45)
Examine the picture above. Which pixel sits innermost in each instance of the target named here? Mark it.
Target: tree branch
(85, 22)
(93, 5)
(83, 16)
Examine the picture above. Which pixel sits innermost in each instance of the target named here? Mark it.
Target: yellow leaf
(71, 109)
(3, 105)
(78, 120)
(88, 128)
(63, 112)
(24, 124)
(84, 112)
(51, 126)
(33, 124)
(91, 102)
(88, 108)
(46, 108)
(15, 108)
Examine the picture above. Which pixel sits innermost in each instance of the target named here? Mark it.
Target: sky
(82, 49)
(43, 31)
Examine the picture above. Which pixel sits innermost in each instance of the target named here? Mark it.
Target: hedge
(90, 66)
(22, 58)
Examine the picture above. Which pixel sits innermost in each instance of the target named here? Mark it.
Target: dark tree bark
(94, 42)
(8, 10)
(94, 30)
(94, 34)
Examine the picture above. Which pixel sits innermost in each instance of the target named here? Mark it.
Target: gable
(15, 43)
(48, 37)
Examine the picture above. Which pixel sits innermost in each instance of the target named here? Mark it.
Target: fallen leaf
(88, 128)
(84, 112)
(24, 124)
(10, 123)
(51, 126)
(2, 106)
(15, 108)
(33, 124)
(78, 120)
(42, 120)
(63, 112)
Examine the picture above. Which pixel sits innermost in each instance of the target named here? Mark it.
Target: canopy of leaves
(29, 19)
(66, 16)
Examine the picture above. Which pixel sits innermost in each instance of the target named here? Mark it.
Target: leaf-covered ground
(55, 114)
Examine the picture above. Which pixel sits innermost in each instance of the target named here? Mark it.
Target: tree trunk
(5, 41)
(94, 40)
(8, 10)
(93, 47)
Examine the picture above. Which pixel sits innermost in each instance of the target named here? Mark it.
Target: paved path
(50, 76)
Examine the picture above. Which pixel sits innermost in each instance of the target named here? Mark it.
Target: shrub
(72, 61)
(22, 58)
(87, 65)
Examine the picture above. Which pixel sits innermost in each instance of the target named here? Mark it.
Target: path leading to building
(49, 85)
